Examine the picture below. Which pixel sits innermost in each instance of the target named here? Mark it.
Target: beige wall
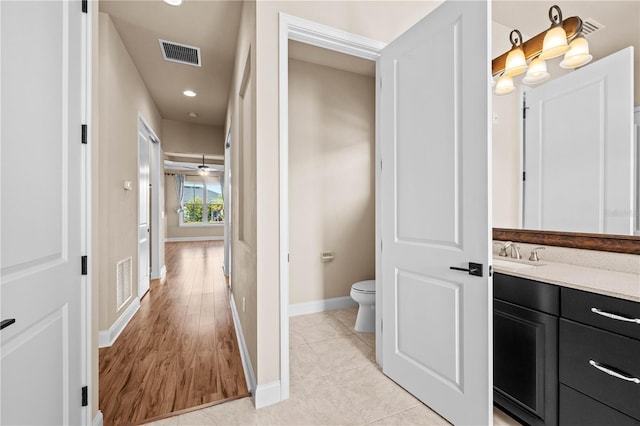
(174, 230)
(241, 115)
(381, 20)
(331, 180)
(192, 138)
(122, 95)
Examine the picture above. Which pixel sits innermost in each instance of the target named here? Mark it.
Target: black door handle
(474, 269)
(7, 323)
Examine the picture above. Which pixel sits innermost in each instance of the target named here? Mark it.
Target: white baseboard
(106, 338)
(97, 420)
(321, 306)
(249, 375)
(181, 239)
(267, 394)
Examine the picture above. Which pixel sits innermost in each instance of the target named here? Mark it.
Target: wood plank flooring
(180, 349)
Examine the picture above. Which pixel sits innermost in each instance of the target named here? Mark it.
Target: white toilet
(364, 292)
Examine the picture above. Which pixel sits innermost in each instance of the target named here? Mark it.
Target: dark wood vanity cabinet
(565, 356)
(599, 360)
(525, 348)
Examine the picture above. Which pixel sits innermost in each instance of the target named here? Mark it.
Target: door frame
(153, 207)
(89, 339)
(319, 35)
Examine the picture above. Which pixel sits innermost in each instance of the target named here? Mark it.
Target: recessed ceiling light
(173, 2)
(192, 115)
(189, 93)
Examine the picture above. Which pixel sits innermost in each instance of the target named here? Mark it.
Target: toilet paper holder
(326, 256)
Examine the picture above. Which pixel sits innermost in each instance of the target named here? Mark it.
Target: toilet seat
(365, 287)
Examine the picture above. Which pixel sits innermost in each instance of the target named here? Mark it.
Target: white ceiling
(210, 25)
(213, 26)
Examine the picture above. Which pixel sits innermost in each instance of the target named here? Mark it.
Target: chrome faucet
(515, 250)
(503, 249)
(534, 254)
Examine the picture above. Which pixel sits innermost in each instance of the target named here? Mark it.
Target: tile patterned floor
(334, 381)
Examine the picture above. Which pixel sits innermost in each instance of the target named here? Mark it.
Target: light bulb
(554, 43)
(537, 72)
(504, 86)
(516, 64)
(578, 54)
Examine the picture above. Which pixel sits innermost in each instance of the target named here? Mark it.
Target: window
(203, 204)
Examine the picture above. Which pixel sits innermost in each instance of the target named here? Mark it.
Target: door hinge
(84, 265)
(524, 112)
(381, 325)
(85, 396)
(84, 134)
(85, 6)
(288, 257)
(524, 176)
(381, 164)
(380, 245)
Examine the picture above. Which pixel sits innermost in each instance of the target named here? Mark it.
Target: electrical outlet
(244, 304)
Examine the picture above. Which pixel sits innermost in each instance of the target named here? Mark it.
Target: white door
(143, 210)
(227, 203)
(437, 329)
(43, 211)
(579, 150)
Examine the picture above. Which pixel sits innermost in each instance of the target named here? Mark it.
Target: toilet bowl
(364, 293)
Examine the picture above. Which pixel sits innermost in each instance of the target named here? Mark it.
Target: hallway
(180, 349)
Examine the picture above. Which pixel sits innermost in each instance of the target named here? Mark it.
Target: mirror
(616, 28)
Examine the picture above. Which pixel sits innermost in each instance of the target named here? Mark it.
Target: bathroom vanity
(567, 344)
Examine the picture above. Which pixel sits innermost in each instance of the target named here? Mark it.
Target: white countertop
(609, 283)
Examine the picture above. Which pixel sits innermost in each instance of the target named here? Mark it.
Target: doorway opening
(300, 30)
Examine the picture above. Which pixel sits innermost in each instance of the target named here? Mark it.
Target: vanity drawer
(577, 305)
(581, 345)
(528, 293)
(577, 409)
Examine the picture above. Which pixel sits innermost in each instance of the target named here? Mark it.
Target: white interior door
(143, 210)
(434, 100)
(227, 203)
(579, 150)
(42, 209)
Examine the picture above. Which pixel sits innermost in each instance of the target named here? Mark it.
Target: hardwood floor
(180, 349)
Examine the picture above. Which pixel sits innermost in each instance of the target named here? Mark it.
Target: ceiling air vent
(180, 53)
(590, 26)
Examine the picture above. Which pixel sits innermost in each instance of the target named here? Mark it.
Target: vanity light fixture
(504, 86)
(192, 115)
(189, 93)
(548, 44)
(537, 72)
(173, 2)
(554, 43)
(578, 54)
(516, 63)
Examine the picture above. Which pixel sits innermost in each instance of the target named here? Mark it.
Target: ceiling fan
(203, 169)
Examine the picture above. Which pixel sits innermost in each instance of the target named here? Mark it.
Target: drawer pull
(613, 373)
(614, 316)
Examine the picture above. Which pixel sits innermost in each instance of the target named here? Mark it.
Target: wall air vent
(180, 53)
(123, 282)
(590, 26)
